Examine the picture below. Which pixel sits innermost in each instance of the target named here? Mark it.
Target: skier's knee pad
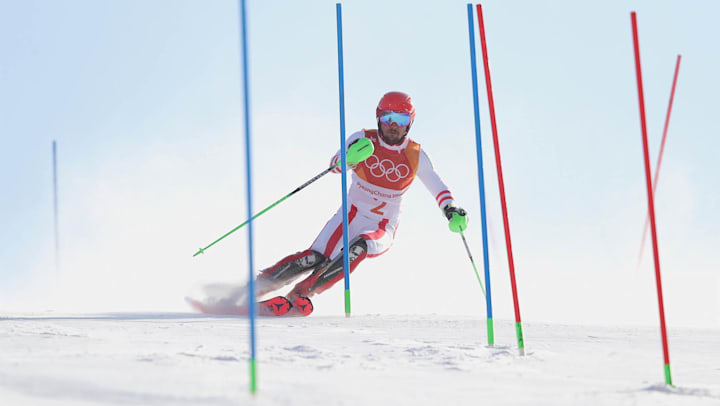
(358, 247)
(357, 244)
(292, 265)
(325, 277)
(311, 259)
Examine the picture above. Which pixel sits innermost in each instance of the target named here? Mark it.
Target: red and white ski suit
(376, 193)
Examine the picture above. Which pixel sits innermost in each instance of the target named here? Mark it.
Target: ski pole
(357, 152)
(473, 262)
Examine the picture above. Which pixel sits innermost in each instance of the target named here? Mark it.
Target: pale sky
(144, 99)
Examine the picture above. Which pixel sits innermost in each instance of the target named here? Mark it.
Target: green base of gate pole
(520, 340)
(490, 332)
(253, 376)
(668, 379)
(347, 302)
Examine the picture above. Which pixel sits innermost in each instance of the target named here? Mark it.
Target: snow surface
(190, 359)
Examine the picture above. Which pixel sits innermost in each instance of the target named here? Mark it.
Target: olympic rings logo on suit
(386, 168)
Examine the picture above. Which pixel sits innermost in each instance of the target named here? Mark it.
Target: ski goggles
(389, 117)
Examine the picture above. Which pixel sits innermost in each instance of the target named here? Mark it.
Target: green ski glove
(359, 150)
(457, 217)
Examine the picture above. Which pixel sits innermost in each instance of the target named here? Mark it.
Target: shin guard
(288, 269)
(323, 278)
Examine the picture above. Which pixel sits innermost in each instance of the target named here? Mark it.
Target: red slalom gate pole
(660, 155)
(651, 202)
(501, 183)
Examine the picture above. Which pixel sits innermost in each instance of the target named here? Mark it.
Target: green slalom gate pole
(357, 152)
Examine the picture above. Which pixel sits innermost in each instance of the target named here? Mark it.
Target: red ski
(277, 306)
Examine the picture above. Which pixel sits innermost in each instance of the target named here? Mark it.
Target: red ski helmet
(398, 102)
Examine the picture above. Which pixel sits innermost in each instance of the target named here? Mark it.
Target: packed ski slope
(188, 359)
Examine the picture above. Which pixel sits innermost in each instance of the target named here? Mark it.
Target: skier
(376, 192)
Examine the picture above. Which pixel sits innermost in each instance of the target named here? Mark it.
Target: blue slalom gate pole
(481, 178)
(248, 169)
(55, 206)
(343, 159)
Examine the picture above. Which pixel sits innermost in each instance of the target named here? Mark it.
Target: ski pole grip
(359, 151)
(458, 223)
